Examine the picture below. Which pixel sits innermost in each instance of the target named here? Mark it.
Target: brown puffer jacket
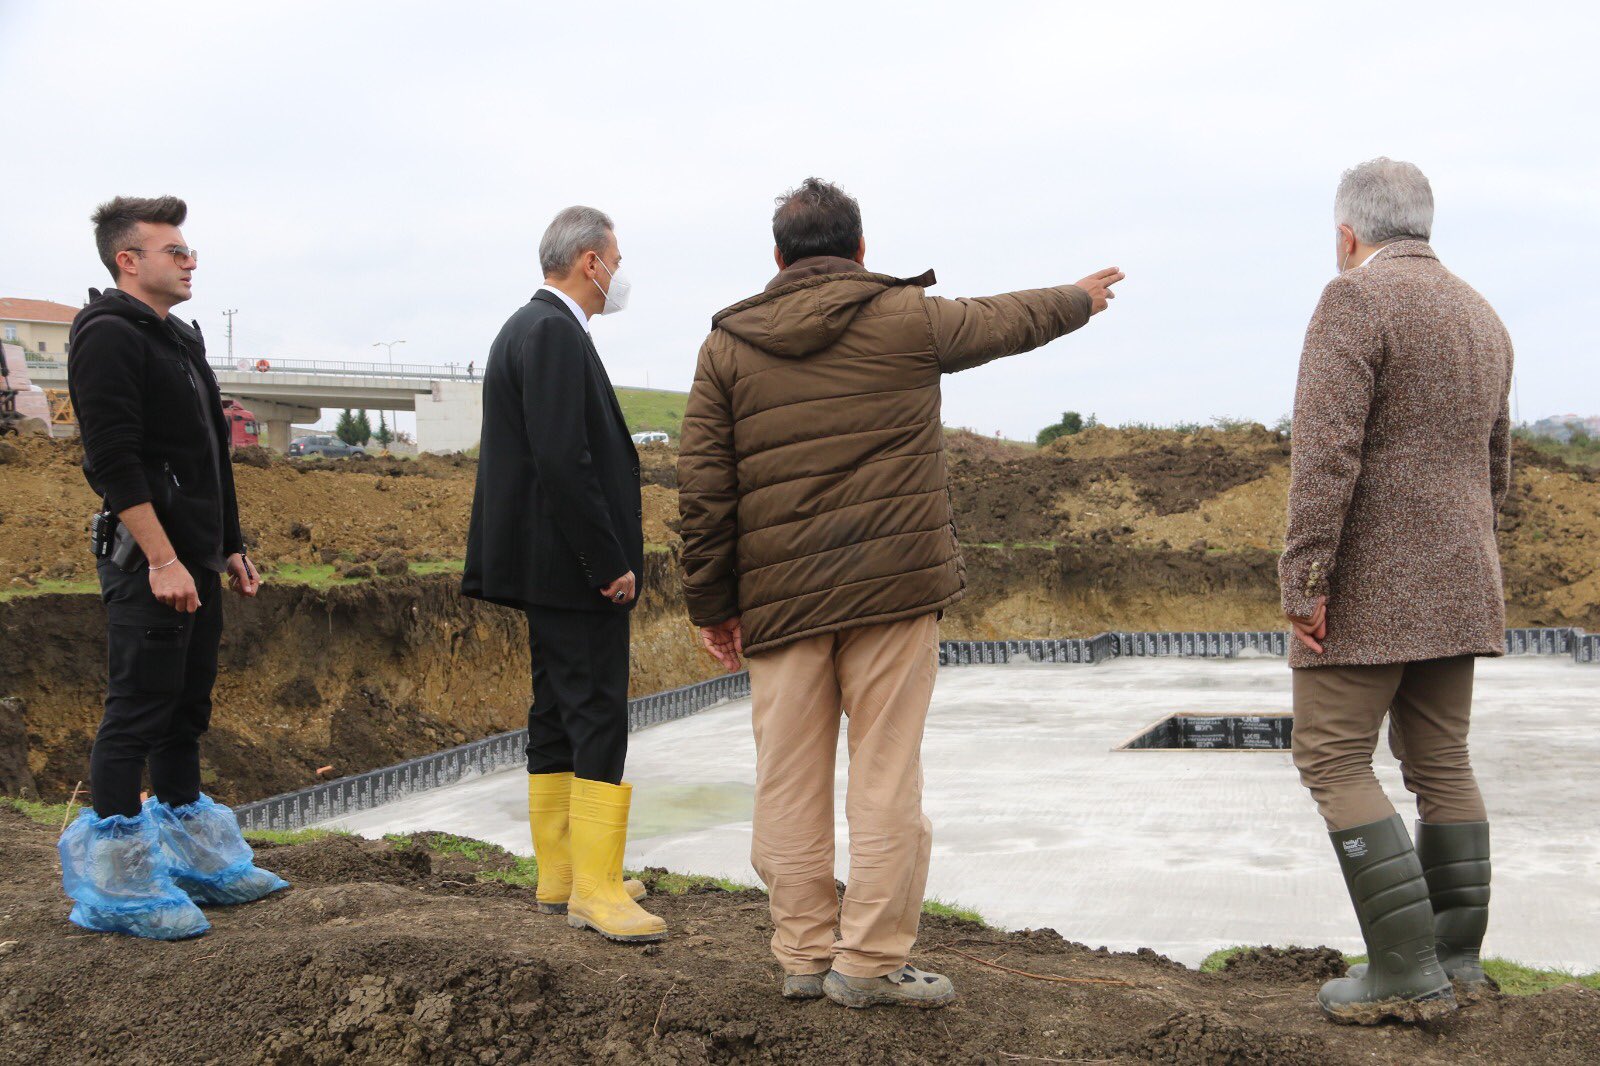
(811, 473)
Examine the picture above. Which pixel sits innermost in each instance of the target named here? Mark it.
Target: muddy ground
(386, 954)
(1109, 529)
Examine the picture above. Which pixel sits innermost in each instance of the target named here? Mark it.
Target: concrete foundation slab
(1039, 822)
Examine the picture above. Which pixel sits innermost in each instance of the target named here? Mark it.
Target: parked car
(651, 437)
(318, 444)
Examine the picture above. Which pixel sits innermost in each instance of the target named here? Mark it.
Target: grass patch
(942, 909)
(324, 575)
(51, 814)
(670, 884)
(1513, 978)
(51, 587)
(290, 837)
(653, 409)
(524, 873)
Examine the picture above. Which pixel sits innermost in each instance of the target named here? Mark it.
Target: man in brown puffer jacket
(818, 539)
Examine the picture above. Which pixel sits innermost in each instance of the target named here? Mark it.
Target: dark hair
(116, 220)
(818, 218)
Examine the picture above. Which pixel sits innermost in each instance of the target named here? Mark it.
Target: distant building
(40, 326)
(1559, 427)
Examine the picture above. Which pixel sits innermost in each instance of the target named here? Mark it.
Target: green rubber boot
(1455, 862)
(1404, 979)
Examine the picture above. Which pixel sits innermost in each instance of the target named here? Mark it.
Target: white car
(651, 437)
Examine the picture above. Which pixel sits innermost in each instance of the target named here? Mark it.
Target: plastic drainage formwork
(332, 799)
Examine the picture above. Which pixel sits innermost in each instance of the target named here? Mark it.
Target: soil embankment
(1110, 529)
(392, 952)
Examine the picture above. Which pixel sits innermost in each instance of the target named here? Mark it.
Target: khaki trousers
(881, 678)
(1337, 713)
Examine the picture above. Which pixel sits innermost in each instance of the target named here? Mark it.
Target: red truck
(242, 425)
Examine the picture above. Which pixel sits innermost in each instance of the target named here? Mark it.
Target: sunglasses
(177, 251)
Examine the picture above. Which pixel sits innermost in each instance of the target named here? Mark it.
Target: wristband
(166, 564)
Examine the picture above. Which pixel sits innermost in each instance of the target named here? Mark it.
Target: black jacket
(150, 416)
(556, 514)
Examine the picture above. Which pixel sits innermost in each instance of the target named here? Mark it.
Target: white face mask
(617, 295)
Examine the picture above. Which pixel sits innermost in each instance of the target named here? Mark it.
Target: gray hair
(1385, 200)
(574, 231)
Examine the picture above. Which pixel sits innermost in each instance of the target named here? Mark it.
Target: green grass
(1513, 978)
(653, 409)
(677, 884)
(942, 909)
(291, 837)
(324, 575)
(51, 814)
(48, 586)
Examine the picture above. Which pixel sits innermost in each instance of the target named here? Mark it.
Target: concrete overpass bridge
(281, 392)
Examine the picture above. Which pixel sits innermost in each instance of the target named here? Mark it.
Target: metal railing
(329, 367)
(337, 368)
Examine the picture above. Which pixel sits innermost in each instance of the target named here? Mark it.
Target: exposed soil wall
(1109, 529)
(352, 677)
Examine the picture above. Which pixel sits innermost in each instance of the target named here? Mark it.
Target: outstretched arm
(971, 332)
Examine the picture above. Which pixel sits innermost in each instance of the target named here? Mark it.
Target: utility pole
(389, 347)
(229, 316)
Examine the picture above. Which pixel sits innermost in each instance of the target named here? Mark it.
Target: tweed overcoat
(811, 476)
(1400, 460)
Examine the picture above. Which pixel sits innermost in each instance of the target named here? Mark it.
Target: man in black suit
(556, 534)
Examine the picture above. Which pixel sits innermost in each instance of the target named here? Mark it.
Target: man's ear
(861, 251)
(127, 264)
(777, 257)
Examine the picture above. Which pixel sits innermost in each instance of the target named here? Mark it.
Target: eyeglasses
(177, 251)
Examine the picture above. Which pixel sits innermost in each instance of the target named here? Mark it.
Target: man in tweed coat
(1391, 579)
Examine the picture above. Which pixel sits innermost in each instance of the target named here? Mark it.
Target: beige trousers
(881, 678)
(1338, 711)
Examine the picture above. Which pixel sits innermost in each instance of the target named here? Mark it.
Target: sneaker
(905, 987)
(803, 985)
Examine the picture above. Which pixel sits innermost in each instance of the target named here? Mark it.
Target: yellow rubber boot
(599, 826)
(549, 799)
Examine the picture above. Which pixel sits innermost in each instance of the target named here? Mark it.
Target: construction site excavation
(1107, 762)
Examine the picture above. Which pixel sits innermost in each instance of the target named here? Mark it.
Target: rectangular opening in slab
(1228, 732)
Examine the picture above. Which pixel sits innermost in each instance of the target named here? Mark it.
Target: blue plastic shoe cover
(207, 854)
(114, 871)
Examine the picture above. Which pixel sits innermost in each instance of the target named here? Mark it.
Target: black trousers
(579, 718)
(161, 664)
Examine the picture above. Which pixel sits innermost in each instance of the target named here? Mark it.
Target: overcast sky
(359, 172)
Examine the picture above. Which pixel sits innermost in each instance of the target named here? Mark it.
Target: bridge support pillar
(275, 418)
(277, 434)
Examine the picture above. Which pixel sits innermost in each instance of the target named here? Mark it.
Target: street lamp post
(389, 347)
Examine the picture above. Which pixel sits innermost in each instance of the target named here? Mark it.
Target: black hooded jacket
(150, 416)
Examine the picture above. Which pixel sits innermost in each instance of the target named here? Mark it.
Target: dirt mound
(367, 960)
(1287, 964)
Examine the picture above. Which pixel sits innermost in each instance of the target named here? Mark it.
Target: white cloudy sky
(369, 171)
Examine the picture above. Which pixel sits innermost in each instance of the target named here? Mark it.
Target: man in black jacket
(155, 449)
(556, 534)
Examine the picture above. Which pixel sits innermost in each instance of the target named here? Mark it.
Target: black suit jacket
(556, 513)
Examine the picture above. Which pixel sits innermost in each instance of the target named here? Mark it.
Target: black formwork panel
(362, 791)
(1228, 732)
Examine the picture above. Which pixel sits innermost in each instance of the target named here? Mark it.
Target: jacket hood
(114, 303)
(808, 306)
